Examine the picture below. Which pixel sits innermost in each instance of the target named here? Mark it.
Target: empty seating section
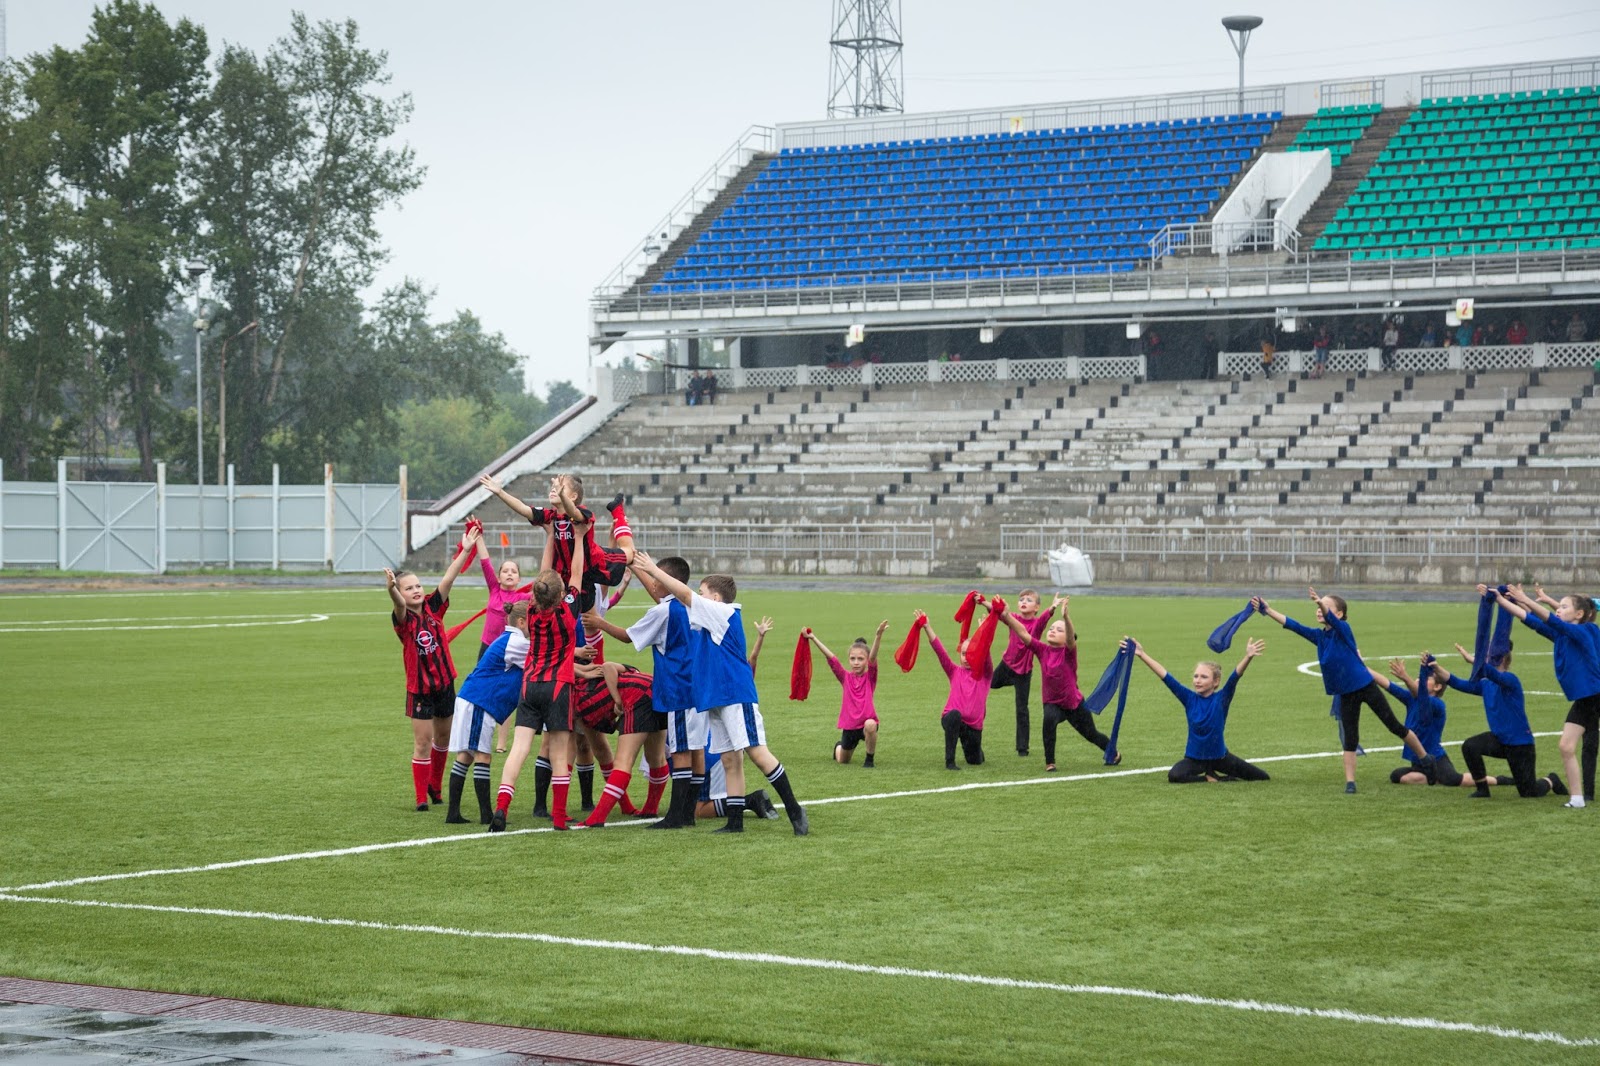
(1336, 129)
(1041, 202)
(1480, 175)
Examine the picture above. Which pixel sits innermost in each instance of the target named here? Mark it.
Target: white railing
(1519, 77)
(619, 385)
(1454, 359)
(1502, 553)
(1220, 238)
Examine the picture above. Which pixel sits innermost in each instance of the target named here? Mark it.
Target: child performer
(488, 696)
(1016, 665)
(858, 718)
(1509, 736)
(418, 620)
(566, 493)
(1425, 716)
(965, 707)
(1058, 665)
(1346, 676)
(1206, 756)
(724, 688)
(503, 592)
(1570, 627)
(546, 705)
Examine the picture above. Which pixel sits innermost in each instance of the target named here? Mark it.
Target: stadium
(1150, 356)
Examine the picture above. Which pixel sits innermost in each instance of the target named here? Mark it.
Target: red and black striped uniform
(552, 636)
(424, 646)
(561, 532)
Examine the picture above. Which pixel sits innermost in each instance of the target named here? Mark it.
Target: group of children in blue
(701, 701)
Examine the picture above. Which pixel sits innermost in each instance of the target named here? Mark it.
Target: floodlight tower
(4, 55)
(864, 76)
(1239, 27)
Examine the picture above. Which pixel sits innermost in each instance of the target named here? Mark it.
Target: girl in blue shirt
(1344, 675)
(1576, 639)
(1509, 736)
(1206, 756)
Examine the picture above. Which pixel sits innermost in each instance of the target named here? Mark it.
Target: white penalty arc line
(838, 965)
(422, 842)
(80, 626)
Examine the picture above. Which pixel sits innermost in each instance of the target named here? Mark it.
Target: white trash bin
(1070, 568)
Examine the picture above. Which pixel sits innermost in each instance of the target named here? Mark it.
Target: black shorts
(849, 738)
(426, 706)
(546, 707)
(1585, 712)
(640, 717)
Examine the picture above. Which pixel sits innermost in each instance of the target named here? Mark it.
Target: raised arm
(668, 584)
(594, 623)
(561, 496)
(579, 531)
(810, 634)
(763, 627)
(1262, 607)
(1072, 630)
(398, 605)
(453, 571)
(1397, 668)
(877, 640)
(1541, 596)
(1519, 603)
(1155, 667)
(616, 595)
(1251, 650)
(506, 498)
(1013, 623)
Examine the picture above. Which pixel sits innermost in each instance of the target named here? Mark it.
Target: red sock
(439, 756)
(619, 524)
(616, 788)
(658, 785)
(502, 801)
(420, 769)
(558, 799)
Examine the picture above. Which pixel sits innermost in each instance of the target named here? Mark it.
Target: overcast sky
(556, 135)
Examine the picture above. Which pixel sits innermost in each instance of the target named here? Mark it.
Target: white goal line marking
(364, 849)
(767, 958)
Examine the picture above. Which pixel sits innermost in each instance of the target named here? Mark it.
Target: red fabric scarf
(905, 656)
(983, 640)
(965, 612)
(800, 670)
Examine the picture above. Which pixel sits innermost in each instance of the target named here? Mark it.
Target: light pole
(196, 269)
(222, 404)
(1239, 27)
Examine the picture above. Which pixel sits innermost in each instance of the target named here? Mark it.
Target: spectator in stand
(694, 392)
(1319, 351)
(1391, 341)
(1488, 334)
(1429, 338)
(1577, 329)
(708, 386)
(1269, 355)
(1152, 345)
(1464, 334)
(1516, 333)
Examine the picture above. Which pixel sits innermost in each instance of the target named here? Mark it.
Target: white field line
(837, 965)
(105, 625)
(363, 849)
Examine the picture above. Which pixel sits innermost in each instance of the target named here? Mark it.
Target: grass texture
(919, 923)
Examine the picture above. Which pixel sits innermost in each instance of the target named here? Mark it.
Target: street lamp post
(1239, 27)
(196, 269)
(222, 404)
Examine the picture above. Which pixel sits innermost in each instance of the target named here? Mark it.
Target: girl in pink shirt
(503, 592)
(1058, 666)
(1016, 665)
(964, 709)
(858, 719)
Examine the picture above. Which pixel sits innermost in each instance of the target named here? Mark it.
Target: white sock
(1575, 801)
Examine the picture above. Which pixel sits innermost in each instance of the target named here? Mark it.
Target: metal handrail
(1209, 236)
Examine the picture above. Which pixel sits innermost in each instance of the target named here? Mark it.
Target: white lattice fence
(1422, 360)
(1115, 367)
(626, 384)
(770, 377)
(963, 371)
(1240, 363)
(1045, 369)
(899, 373)
(1585, 353)
(1498, 357)
(831, 377)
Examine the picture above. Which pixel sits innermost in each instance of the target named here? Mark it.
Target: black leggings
(1021, 685)
(1444, 772)
(1077, 718)
(1591, 747)
(971, 739)
(1519, 757)
(1187, 771)
(1350, 714)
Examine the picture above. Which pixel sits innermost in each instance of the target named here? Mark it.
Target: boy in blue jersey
(665, 630)
(486, 699)
(724, 689)
(1510, 737)
(1205, 755)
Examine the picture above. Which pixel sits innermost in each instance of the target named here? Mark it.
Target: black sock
(779, 778)
(541, 783)
(481, 785)
(586, 785)
(680, 790)
(696, 784)
(868, 760)
(735, 809)
(458, 781)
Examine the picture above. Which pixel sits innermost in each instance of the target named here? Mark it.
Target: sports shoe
(1569, 805)
(616, 501)
(422, 807)
(541, 812)
(435, 796)
(1050, 769)
(1118, 760)
(867, 763)
(454, 818)
(497, 821)
(951, 766)
(1349, 788)
(802, 824)
(758, 804)
(729, 828)
(1557, 785)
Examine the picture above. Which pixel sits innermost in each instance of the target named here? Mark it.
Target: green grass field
(930, 918)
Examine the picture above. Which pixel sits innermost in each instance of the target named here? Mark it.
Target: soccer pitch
(211, 795)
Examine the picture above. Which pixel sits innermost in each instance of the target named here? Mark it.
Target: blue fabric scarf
(1487, 648)
(1222, 636)
(1114, 682)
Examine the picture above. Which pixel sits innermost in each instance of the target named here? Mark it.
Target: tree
(120, 110)
(562, 395)
(293, 168)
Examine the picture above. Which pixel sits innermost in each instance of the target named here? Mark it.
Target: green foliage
(1283, 892)
(563, 394)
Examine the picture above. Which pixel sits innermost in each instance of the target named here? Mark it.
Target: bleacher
(1033, 203)
(1480, 175)
(1336, 129)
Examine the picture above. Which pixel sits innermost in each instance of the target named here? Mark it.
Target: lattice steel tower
(864, 76)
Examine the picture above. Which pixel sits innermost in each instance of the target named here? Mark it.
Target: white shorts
(736, 727)
(715, 786)
(471, 729)
(686, 731)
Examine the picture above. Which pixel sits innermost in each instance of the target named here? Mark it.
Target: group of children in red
(542, 659)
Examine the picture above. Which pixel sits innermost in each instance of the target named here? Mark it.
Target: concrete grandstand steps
(1351, 172)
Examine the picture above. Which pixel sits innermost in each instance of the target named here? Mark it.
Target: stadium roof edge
(1290, 98)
